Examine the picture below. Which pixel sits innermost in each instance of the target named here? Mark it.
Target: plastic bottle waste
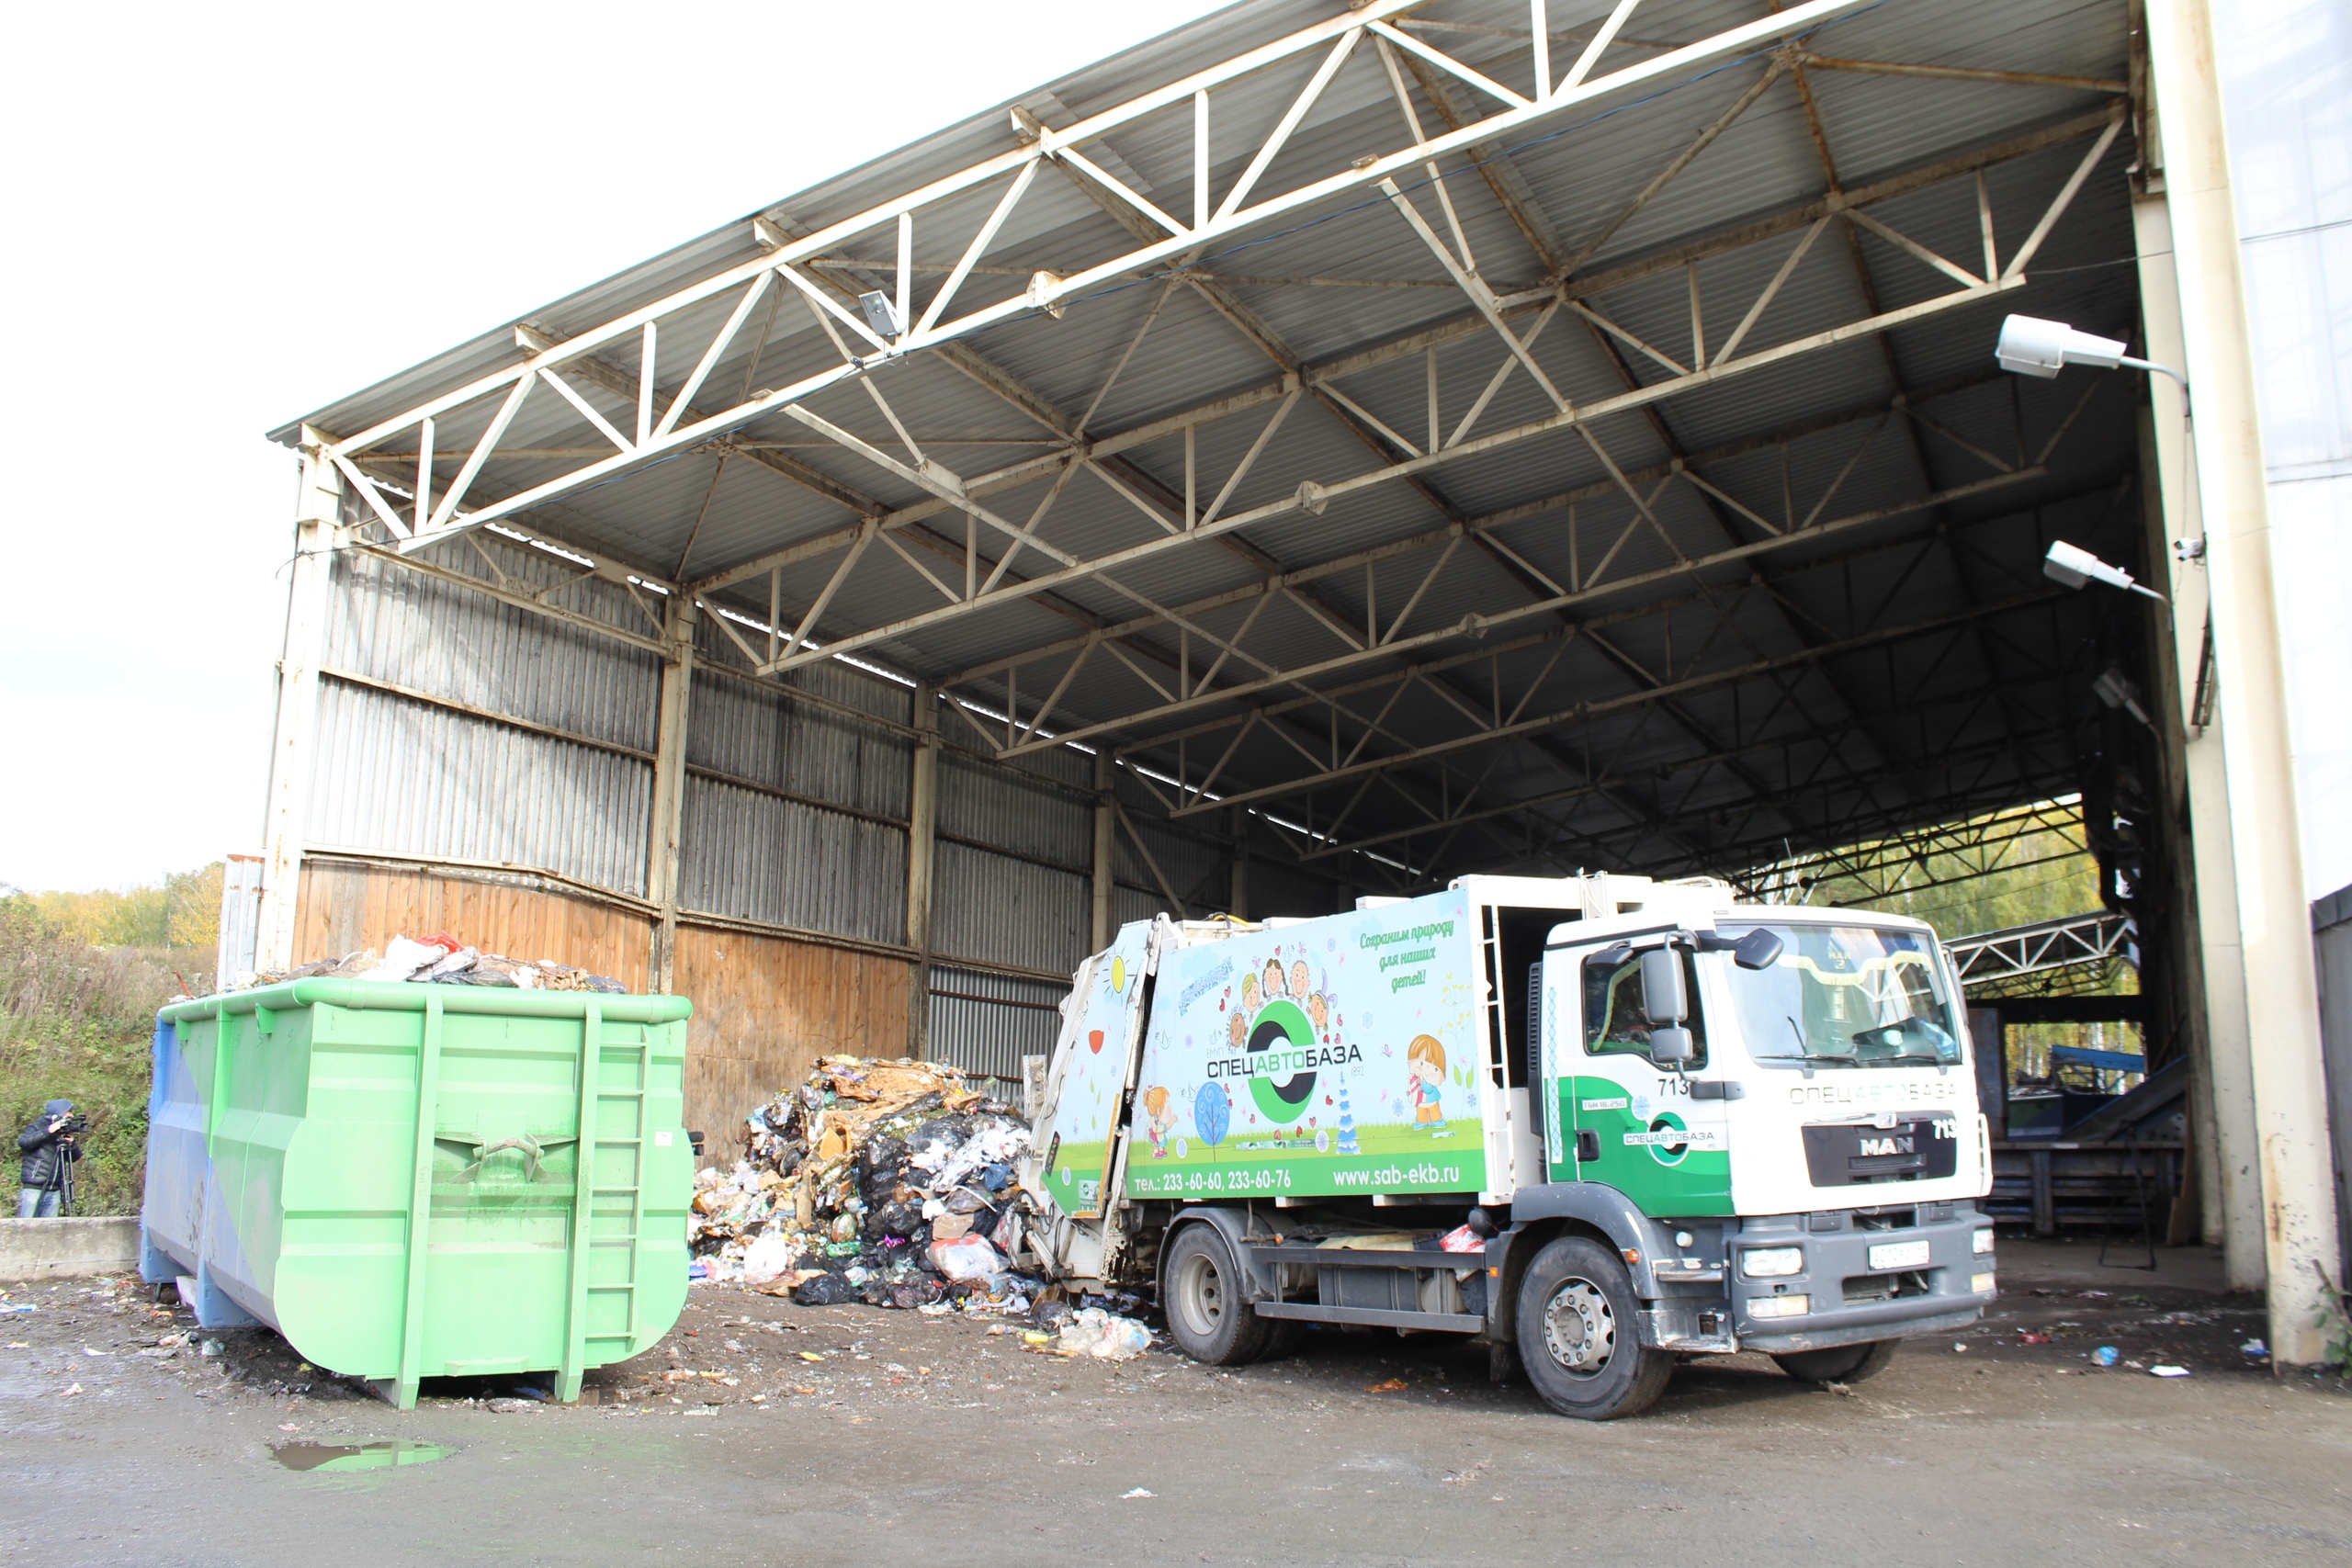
(2105, 1356)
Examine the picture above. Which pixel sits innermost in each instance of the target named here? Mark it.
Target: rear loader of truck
(1602, 1124)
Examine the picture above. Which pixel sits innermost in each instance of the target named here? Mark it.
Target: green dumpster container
(412, 1180)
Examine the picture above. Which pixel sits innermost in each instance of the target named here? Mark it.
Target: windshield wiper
(1928, 1057)
(1814, 1057)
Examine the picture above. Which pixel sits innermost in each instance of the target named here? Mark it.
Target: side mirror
(1671, 1045)
(1759, 949)
(1663, 996)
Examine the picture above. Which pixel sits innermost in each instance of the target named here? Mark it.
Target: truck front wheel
(1842, 1363)
(1578, 1333)
(1201, 1288)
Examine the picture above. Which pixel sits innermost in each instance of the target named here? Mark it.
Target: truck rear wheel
(1840, 1363)
(1201, 1288)
(1578, 1333)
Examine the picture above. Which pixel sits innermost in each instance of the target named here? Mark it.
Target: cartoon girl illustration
(1320, 1012)
(1158, 1122)
(1298, 979)
(1425, 1080)
(1238, 1029)
(1274, 987)
(1249, 993)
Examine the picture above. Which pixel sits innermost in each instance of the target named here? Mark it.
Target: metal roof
(1313, 534)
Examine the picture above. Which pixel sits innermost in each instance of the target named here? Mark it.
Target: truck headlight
(1772, 1262)
(1778, 1306)
(1981, 1242)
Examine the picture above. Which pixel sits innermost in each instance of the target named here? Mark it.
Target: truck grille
(1860, 1290)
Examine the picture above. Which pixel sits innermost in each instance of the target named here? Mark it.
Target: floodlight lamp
(2031, 346)
(881, 314)
(2071, 565)
(2116, 690)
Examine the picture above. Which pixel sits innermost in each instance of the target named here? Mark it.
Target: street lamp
(2071, 565)
(2031, 346)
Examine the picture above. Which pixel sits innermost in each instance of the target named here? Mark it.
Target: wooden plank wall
(344, 908)
(765, 1007)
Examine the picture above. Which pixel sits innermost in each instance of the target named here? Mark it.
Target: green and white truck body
(1667, 1132)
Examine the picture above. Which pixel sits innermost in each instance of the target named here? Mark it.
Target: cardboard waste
(886, 1182)
(441, 960)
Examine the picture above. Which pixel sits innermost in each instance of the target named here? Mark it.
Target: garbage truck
(1601, 1125)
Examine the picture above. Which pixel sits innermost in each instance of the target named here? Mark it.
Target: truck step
(1375, 1317)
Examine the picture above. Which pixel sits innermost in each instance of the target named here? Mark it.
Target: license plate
(1900, 1254)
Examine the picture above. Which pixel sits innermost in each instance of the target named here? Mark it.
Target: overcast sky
(223, 216)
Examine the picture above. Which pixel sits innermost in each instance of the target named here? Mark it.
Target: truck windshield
(1846, 997)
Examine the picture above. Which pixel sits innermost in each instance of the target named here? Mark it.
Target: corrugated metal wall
(558, 791)
(986, 1023)
(457, 729)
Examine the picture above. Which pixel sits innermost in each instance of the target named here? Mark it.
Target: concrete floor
(915, 1439)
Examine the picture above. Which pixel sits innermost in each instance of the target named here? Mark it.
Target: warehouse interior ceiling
(1461, 455)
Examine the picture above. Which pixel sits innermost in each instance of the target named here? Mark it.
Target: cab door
(1624, 1119)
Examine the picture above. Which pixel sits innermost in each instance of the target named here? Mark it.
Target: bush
(77, 1022)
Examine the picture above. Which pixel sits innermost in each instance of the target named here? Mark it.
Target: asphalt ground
(764, 1431)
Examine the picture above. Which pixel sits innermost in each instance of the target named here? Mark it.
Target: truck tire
(1840, 1363)
(1578, 1336)
(1200, 1287)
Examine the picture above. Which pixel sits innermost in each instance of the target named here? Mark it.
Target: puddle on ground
(356, 1456)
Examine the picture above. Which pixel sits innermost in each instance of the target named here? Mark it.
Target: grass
(77, 1022)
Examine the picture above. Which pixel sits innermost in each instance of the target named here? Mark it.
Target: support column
(1106, 824)
(2274, 916)
(670, 787)
(1237, 824)
(923, 831)
(2221, 1065)
(318, 509)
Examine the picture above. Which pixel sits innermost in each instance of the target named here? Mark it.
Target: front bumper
(1851, 1302)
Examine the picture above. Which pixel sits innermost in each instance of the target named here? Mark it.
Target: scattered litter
(2092, 1295)
(1390, 1385)
(1107, 1336)
(210, 1347)
(440, 960)
(2107, 1356)
(15, 1307)
(2255, 1348)
(1959, 1347)
(1138, 1492)
(70, 1392)
(889, 1183)
(511, 1407)
(288, 1426)
(1461, 1239)
(2168, 1371)
(2027, 1337)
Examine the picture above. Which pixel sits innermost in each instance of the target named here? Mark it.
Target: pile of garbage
(442, 960)
(886, 1182)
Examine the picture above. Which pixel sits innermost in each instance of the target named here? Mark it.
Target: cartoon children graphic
(1425, 1081)
(1160, 1122)
(1320, 1012)
(1298, 979)
(1274, 986)
(1238, 1029)
(1249, 992)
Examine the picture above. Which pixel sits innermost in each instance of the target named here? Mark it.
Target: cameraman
(46, 1189)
